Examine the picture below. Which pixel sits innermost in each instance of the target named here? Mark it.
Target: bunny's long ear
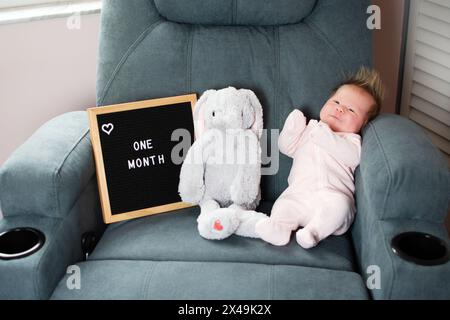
(257, 126)
(199, 117)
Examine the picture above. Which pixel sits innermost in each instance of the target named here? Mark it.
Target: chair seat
(124, 279)
(174, 237)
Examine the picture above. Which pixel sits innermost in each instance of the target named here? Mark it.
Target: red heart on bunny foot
(217, 225)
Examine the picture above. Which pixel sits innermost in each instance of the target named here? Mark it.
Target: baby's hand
(296, 121)
(292, 131)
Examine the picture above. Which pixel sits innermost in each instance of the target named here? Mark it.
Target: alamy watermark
(374, 21)
(232, 146)
(73, 282)
(74, 21)
(373, 281)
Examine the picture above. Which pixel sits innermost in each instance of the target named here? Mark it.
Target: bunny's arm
(344, 148)
(291, 134)
(245, 187)
(192, 187)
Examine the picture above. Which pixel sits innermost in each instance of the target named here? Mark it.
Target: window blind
(426, 83)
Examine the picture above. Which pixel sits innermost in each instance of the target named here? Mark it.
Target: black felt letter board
(136, 147)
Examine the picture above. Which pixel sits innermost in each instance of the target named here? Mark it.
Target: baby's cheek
(356, 126)
(336, 126)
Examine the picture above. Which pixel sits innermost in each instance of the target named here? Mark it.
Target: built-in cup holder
(421, 248)
(20, 242)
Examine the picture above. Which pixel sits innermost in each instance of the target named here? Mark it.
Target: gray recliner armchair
(290, 53)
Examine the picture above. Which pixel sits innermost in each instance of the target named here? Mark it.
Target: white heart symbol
(107, 128)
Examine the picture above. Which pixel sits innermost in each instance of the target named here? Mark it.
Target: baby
(326, 152)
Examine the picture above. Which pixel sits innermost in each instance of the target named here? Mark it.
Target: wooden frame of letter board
(108, 217)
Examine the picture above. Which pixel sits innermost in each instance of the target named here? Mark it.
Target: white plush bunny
(222, 169)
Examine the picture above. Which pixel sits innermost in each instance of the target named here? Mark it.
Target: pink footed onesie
(321, 184)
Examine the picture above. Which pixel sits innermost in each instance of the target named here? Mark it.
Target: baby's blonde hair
(370, 81)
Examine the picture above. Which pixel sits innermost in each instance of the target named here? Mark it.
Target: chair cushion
(174, 237)
(174, 280)
(235, 12)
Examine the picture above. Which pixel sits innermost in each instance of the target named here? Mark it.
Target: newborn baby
(326, 152)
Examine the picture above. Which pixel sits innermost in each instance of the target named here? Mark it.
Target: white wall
(46, 69)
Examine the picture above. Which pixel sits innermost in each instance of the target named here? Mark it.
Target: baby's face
(347, 110)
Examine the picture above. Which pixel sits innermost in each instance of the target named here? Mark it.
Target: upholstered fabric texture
(124, 279)
(47, 173)
(398, 160)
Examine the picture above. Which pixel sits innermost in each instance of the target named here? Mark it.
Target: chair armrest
(47, 173)
(402, 185)
(395, 277)
(402, 174)
(36, 276)
(49, 184)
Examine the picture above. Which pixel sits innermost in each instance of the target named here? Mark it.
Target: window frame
(45, 9)
(9, 4)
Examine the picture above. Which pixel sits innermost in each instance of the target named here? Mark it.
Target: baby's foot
(218, 224)
(307, 238)
(272, 232)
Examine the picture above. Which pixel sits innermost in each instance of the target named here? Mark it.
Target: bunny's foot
(218, 224)
(247, 221)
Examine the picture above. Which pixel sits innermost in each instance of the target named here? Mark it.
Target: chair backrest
(291, 53)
